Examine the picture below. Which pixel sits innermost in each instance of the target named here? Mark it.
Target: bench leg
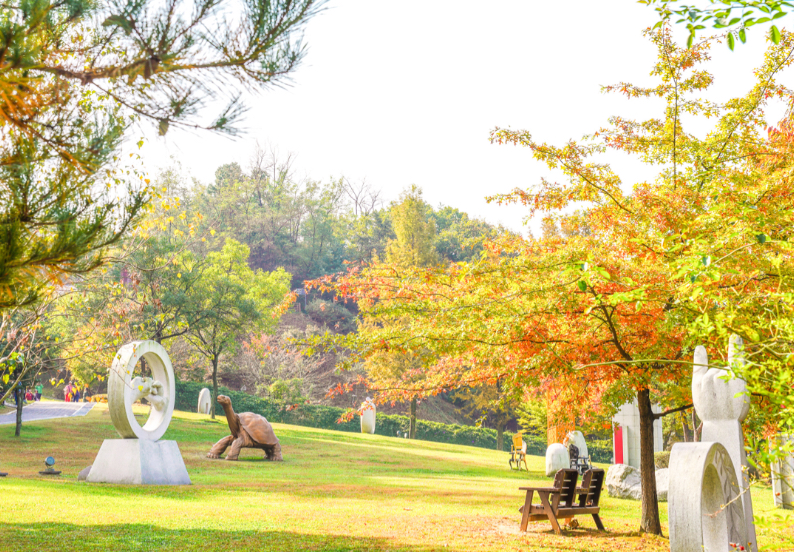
(598, 522)
(544, 498)
(525, 511)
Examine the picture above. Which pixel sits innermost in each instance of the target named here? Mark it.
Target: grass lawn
(334, 491)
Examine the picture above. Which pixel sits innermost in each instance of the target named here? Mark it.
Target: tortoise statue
(248, 430)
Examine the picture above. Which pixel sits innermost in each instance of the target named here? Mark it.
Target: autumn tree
(594, 313)
(412, 246)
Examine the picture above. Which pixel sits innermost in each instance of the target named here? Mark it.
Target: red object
(618, 444)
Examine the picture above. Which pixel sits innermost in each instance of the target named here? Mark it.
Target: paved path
(47, 410)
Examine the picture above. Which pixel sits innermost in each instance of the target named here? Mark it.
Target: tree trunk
(412, 427)
(214, 385)
(650, 505)
(685, 428)
(20, 399)
(500, 435)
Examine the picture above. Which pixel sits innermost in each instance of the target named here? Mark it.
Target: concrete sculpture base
(139, 462)
(705, 511)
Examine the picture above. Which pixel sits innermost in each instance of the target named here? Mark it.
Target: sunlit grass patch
(334, 491)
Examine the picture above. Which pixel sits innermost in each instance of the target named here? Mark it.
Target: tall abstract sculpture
(140, 457)
(722, 402)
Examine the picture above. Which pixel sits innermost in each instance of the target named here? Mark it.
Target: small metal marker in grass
(49, 462)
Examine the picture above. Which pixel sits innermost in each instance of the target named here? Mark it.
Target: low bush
(325, 417)
(661, 459)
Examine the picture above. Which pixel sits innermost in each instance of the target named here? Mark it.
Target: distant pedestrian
(76, 397)
(29, 396)
(39, 390)
(67, 392)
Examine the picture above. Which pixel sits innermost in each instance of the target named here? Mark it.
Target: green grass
(334, 491)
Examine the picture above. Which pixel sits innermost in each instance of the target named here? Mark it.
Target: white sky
(407, 92)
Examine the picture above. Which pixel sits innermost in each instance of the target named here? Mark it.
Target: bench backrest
(592, 481)
(566, 480)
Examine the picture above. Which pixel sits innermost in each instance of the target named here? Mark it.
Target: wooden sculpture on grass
(248, 430)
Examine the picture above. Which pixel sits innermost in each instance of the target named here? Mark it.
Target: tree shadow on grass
(134, 537)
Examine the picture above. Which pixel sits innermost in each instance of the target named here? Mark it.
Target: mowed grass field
(334, 491)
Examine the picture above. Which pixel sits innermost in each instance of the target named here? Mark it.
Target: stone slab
(139, 462)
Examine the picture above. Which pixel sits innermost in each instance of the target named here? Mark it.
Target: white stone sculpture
(722, 402)
(205, 401)
(624, 481)
(577, 438)
(783, 474)
(368, 416)
(557, 458)
(628, 418)
(705, 508)
(139, 457)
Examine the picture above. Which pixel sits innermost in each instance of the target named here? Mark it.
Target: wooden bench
(564, 500)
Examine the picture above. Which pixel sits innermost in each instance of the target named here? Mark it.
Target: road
(47, 410)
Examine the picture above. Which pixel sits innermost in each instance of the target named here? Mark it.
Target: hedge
(325, 417)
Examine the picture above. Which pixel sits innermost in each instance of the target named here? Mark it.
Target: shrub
(600, 450)
(325, 417)
(661, 459)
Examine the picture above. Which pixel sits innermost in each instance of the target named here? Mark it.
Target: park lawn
(334, 491)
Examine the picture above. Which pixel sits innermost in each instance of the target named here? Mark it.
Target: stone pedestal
(139, 462)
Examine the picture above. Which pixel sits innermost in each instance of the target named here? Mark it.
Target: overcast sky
(402, 93)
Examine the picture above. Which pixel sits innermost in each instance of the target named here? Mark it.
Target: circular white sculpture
(368, 416)
(705, 509)
(205, 401)
(557, 458)
(125, 389)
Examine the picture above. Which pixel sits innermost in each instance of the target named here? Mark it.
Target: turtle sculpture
(248, 430)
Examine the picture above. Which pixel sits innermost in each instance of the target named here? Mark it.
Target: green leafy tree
(414, 231)
(459, 237)
(734, 15)
(237, 301)
(69, 95)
